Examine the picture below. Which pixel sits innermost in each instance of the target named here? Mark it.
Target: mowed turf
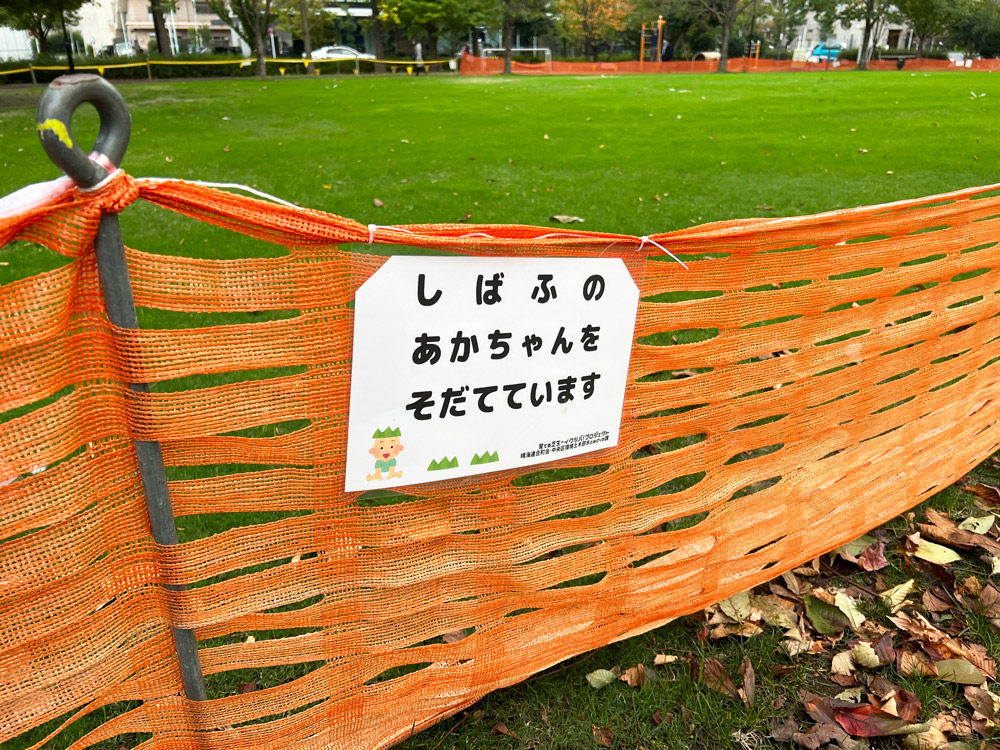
(631, 154)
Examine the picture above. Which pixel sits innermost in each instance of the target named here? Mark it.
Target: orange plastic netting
(490, 66)
(840, 370)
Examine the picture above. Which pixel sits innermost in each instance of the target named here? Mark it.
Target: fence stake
(31, 69)
(56, 107)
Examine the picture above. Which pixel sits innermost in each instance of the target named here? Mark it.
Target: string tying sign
(465, 366)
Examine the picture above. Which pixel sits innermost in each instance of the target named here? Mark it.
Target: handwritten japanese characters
(486, 364)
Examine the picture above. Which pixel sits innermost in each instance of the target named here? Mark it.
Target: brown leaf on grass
(566, 219)
(884, 650)
(749, 688)
(715, 675)
(635, 676)
(985, 491)
(989, 601)
(868, 721)
(936, 600)
(893, 700)
(944, 529)
(784, 731)
(960, 671)
(377, 203)
(931, 739)
(246, 687)
(910, 662)
(982, 701)
(953, 722)
(602, 735)
(659, 717)
(501, 728)
(873, 558)
(944, 644)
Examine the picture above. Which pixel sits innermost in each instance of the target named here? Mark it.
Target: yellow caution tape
(12, 72)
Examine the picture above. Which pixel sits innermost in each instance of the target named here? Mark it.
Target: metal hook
(54, 124)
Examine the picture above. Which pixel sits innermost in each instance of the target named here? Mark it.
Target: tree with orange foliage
(593, 22)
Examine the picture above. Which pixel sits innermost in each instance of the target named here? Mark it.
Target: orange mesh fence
(805, 380)
(488, 66)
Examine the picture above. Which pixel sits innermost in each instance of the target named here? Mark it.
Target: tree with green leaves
(301, 18)
(593, 22)
(511, 12)
(429, 19)
(875, 14)
(725, 13)
(929, 18)
(251, 19)
(40, 18)
(976, 27)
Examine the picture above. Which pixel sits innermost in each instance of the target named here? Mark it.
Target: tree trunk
(258, 37)
(160, 30)
(727, 31)
(508, 34)
(379, 39)
(306, 35)
(68, 41)
(432, 47)
(866, 41)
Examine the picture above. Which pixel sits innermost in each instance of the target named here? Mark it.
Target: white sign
(465, 366)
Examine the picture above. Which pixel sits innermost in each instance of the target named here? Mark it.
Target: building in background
(809, 34)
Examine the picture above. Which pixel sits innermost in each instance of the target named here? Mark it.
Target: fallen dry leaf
(896, 596)
(986, 492)
(634, 676)
(873, 558)
(737, 606)
(864, 655)
(566, 219)
(246, 687)
(867, 721)
(977, 525)
(847, 605)
(983, 701)
(928, 740)
(749, 688)
(602, 735)
(843, 663)
(501, 728)
(714, 674)
(960, 671)
(936, 553)
(600, 678)
(661, 659)
(378, 203)
(892, 699)
(825, 618)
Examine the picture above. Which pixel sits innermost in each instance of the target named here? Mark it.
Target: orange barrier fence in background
(840, 369)
(487, 66)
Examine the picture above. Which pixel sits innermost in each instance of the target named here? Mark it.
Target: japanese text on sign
(465, 366)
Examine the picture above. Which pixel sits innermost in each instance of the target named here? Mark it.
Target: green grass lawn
(632, 154)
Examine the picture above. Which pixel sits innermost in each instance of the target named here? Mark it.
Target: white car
(342, 53)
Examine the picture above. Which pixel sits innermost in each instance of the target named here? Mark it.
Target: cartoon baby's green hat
(386, 433)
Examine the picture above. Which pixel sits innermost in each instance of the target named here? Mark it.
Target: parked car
(333, 53)
(822, 52)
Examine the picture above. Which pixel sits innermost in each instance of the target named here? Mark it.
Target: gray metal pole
(55, 114)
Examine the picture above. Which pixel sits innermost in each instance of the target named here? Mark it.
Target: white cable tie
(371, 233)
(646, 239)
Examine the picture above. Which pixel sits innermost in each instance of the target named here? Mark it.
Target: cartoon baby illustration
(385, 449)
